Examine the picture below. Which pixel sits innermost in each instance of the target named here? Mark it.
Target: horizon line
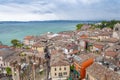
(54, 20)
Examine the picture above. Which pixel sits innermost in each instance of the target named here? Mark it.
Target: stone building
(116, 31)
(60, 68)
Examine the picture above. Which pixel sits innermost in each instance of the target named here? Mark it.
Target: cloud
(39, 10)
(79, 1)
(59, 9)
(27, 12)
(27, 17)
(90, 1)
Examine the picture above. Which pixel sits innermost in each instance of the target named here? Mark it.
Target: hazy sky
(27, 10)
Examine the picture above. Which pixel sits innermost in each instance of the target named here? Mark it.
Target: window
(59, 68)
(64, 68)
(1, 65)
(116, 29)
(117, 49)
(55, 69)
(87, 77)
(4, 64)
(65, 73)
(55, 74)
(60, 74)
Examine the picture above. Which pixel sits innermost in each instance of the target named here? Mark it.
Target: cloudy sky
(29, 10)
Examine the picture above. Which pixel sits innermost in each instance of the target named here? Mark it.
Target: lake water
(18, 30)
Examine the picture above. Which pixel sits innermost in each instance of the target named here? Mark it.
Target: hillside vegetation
(103, 24)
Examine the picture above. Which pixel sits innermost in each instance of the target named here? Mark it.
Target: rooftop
(58, 59)
(83, 57)
(102, 73)
(28, 37)
(111, 53)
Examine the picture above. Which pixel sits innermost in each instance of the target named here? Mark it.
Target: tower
(116, 31)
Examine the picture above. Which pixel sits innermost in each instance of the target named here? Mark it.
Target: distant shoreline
(51, 21)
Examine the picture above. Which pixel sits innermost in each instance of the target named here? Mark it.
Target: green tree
(72, 67)
(15, 42)
(20, 44)
(109, 24)
(78, 26)
(8, 70)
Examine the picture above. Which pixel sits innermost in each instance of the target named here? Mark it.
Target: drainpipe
(18, 72)
(13, 72)
(34, 71)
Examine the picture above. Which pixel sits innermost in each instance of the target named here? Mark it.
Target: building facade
(60, 71)
(116, 31)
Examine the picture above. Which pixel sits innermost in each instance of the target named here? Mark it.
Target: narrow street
(47, 57)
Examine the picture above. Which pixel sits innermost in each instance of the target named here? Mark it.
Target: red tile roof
(28, 37)
(111, 53)
(98, 46)
(75, 51)
(112, 40)
(60, 63)
(3, 46)
(100, 72)
(84, 36)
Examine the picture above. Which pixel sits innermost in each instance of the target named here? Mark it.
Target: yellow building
(38, 47)
(60, 70)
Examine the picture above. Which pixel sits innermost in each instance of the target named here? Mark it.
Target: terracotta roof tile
(60, 63)
(101, 72)
(28, 38)
(111, 53)
(98, 46)
(111, 40)
(75, 51)
(84, 36)
(3, 46)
